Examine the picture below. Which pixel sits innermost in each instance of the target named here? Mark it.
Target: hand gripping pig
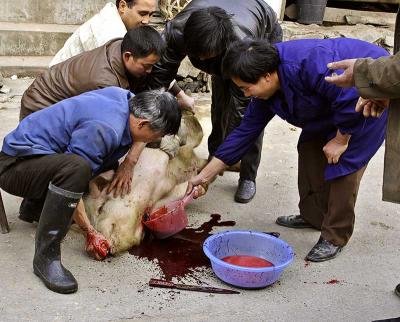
(157, 179)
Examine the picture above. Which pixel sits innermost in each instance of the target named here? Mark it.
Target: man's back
(93, 125)
(98, 68)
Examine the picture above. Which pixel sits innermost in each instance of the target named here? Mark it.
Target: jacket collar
(114, 55)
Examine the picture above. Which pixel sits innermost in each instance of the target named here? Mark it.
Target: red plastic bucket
(168, 220)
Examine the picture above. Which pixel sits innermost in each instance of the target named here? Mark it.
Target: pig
(157, 179)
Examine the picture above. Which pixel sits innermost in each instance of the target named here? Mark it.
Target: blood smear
(247, 261)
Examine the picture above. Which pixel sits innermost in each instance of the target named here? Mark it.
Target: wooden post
(3, 218)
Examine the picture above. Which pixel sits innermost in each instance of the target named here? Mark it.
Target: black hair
(160, 108)
(143, 41)
(250, 59)
(129, 3)
(208, 31)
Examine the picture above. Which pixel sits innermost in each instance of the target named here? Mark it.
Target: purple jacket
(317, 107)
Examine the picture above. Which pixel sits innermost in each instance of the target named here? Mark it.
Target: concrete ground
(116, 289)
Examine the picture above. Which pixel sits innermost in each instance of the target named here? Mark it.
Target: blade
(205, 289)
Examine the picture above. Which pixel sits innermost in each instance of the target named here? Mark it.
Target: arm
(336, 147)
(165, 71)
(379, 78)
(97, 245)
(122, 181)
(241, 139)
(201, 181)
(235, 145)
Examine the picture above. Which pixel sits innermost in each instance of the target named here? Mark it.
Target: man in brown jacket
(120, 62)
(376, 81)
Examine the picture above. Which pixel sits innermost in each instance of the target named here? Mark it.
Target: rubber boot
(54, 224)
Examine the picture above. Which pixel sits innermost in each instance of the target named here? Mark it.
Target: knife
(207, 289)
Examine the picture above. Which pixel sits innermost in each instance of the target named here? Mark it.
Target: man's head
(252, 66)
(141, 48)
(154, 114)
(135, 12)
(208, 32)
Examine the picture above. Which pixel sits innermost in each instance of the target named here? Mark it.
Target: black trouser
(228, 105)
(29, 177)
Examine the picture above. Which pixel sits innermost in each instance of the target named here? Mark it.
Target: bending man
(335, 144)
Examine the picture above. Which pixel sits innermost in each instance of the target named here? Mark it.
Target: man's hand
(347, 78)
(97, 246)
(372, 107)
(336, 147)
(122, 181)
(185, 101)
(199, 184)
(206, 176)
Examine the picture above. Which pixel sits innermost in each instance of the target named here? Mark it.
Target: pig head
(157, 179)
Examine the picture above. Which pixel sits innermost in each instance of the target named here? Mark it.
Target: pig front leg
(97, 246)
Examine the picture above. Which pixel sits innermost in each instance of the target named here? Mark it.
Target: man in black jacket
(203, 31)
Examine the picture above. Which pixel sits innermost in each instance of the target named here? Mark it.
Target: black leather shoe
(30, 209)
(294, 221)
(322, 251)
(245, 191)
(397, 290)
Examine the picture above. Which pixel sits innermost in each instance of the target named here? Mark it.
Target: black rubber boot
(53, 225)
(30, 210)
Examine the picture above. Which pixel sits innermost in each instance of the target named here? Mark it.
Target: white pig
(156, 180)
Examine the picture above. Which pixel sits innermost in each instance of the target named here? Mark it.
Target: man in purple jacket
(336, 143)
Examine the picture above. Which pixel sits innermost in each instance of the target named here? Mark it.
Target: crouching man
(54, 153)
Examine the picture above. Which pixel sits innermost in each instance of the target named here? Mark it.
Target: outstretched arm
(97, 246)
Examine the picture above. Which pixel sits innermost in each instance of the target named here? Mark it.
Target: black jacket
(251, 19)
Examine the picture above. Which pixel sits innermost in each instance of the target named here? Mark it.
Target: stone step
(65, 12)
(23, 65)
(20, 39)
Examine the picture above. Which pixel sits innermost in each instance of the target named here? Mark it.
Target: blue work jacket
(94, 125)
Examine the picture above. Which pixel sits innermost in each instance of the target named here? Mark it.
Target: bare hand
(186, 102)
(333, 150)
(199, 184)
(372, 107)
(343, 80)
(97, 246)
(122, 181)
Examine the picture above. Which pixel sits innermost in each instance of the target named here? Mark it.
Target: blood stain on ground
(182, 253)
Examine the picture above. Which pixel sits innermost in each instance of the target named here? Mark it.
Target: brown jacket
(94, 69)
(381, 79)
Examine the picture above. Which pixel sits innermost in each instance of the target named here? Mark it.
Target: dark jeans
(29, 177)
(228, 105)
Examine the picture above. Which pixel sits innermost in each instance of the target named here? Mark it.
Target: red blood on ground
(247, 261)
(333, 282)
(307, 263)
(180, 254)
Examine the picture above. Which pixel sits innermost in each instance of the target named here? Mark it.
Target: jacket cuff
(174, 88)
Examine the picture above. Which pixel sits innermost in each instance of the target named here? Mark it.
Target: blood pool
(247, 261)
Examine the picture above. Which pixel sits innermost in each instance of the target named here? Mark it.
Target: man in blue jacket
(53, 154)
(336, 142)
